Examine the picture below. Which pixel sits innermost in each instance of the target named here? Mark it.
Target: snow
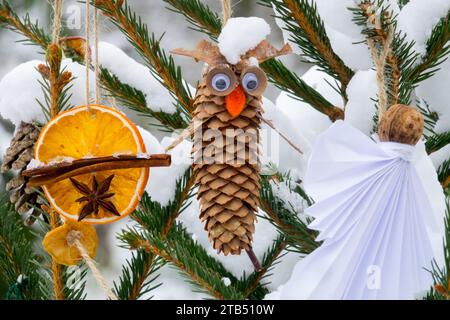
(440, 156)
(240, 35)
(5, 139)
(33, 164)
(121, 153)
(297, 120)
(226, 281)
(337, 15)
(14, 99)
(360, 109)
(308, 121)
(354, 53)
(264, 235)
(274, 146)
(345, 37)
(418, 18)
(286, 34)
(162, 182)
(175, 286)
(20, 89)
(142, 155)
(292, 200)
(435, 91)
(137, 75)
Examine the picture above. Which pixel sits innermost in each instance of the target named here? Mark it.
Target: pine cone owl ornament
(226, 124)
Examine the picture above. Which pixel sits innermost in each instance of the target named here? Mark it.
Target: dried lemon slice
(94, 131)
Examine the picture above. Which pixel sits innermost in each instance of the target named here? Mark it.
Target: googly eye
(250, 81)
(221, 82)
(254, 81)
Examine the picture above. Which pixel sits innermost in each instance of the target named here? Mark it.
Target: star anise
(96, 198)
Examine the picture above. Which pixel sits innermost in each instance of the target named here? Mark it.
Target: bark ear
(205, 52)
(265, 51)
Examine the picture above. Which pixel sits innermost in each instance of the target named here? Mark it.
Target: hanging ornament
(228, 103)
(90, 161)
(379, 210)
(92, 164)
(17, 157)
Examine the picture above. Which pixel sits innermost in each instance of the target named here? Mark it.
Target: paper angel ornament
(379, 210)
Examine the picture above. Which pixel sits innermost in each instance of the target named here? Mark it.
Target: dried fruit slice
(95, 131)
(56, 243)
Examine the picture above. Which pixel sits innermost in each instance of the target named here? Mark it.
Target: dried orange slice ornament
(57, 242)
(84, 133)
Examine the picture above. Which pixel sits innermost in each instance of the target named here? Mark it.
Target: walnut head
(402, 124)
(235, 82)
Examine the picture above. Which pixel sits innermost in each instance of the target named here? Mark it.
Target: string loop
(74, 239)
(226, 10)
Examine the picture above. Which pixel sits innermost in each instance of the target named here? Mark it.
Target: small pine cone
(17, 157)
(20, 151)
(228, 192)
(23, 198)
(402, 124)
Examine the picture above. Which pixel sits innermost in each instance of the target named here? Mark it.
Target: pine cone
(17, 157)
(228, 193)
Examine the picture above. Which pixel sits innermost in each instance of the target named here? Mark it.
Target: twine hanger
(87, 61)
(226, 11)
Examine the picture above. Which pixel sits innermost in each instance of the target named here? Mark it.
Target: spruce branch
(438, 48)
(200, 16)
(136, 100)
(138, 276)
(32, 32)
(444, 174)
(151, 216)
(441, 274)
(437, 141)
(287, 221)
(179, 249)
(290, 82)
(379, 25)
(430, 117)
(278, 73)
(402, 3)
(307, 30)
(252, 285)
(159, 234)
(148, 46)
(54, 86)
(57, 269)
(17, 258)
(127, 95)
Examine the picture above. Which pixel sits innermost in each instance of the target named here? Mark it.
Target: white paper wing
(345, 156)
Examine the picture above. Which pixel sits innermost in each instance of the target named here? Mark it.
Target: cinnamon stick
(75, 164)
(58, 172)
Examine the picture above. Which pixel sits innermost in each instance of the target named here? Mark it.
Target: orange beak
(235, 101)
